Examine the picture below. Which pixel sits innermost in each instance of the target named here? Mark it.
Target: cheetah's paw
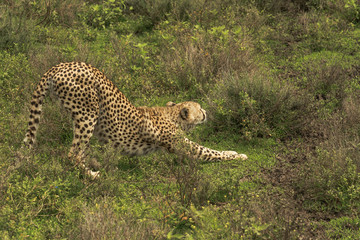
(93, 174)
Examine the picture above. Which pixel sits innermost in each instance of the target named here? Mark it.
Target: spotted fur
(98, 108)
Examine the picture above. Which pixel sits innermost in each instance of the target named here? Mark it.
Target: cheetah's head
(187, 114)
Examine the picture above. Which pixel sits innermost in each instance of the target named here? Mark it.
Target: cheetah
(97, 107)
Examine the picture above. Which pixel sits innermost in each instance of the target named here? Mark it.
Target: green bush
(342, 227)
(103, 15)
(15, 29)
(22, 22)
(331, 183)
(193, 60)
(254, 106)
(15, 89)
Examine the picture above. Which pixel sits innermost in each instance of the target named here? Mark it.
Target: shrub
(329, 180)
(193, 59)
(15, 29)
(342, 227)
(22, 21)
(257, 106)
(103, 15)
(103, 220)
(331, 183)
(15, 88)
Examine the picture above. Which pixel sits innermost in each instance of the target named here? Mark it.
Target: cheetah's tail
(36, 106)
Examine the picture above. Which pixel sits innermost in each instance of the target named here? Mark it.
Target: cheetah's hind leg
(83, 131)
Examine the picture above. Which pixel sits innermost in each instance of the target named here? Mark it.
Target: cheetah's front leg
(210, 155)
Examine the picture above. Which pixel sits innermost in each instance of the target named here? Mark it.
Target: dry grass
(102, 221)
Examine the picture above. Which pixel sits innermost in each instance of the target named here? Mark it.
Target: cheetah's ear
(184, 113)
(170, 104)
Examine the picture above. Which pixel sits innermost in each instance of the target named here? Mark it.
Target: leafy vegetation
(280, 80)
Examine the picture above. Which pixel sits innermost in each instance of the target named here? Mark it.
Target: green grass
(45, 197)
(279, 81)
